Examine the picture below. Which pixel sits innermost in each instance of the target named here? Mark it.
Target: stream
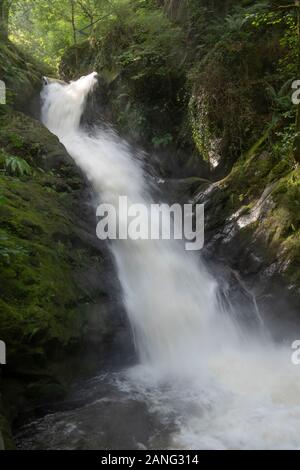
(201, 379)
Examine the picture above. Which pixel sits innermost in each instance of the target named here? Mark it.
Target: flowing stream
(202, 381)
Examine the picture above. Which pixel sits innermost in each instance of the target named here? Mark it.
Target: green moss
(145, 84)
(22, 76)
(41, 314)
(199, 122)
(35, 309)
(44, 318)
(5, 434)
(45, 391)
(277, 234)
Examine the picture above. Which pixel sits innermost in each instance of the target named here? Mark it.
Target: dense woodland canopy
(172, 39)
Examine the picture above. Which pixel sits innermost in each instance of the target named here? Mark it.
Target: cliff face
(206, 91)
(222, 111)
(252, 226)
(54, 273)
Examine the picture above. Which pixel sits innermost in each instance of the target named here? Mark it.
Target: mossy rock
(46, 253)
(6, 441)
(45, 392)
(252, 221)
(21, 74)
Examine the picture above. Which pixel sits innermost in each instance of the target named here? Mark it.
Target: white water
(227, 389)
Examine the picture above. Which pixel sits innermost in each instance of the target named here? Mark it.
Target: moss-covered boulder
(51, 263)
(252, 223)
(22, 76)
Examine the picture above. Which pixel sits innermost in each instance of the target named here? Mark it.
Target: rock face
(252, 225)
(57, 281)
(58, 262)
(252, 194)
(59, 305)
(144, 100)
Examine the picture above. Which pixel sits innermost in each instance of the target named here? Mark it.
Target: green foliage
(33, 265)
(16, 140)
(236, 24)
(46, 29)
(136, 30)
(8, 248)
(140, 37)
(21, 74)
(281, 100)
(283, 146)
(284, 20)
(15, 165)
(162, 141)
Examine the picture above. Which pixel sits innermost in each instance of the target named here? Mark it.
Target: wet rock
(57, 278)
(256, 235)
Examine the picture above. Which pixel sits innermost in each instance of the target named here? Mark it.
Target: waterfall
(169, 296)
(232, 390)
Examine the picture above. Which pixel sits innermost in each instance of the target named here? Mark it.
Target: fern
(281, 100)
(16, 166)
(235, 23)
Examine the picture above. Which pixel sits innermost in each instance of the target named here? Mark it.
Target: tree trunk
(175, 8)
(4, 10)
(74, 30)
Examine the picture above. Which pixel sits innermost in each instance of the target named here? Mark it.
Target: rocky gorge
(211, 132)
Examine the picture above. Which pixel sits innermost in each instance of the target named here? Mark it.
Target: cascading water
(221, 387)
(171, 302)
